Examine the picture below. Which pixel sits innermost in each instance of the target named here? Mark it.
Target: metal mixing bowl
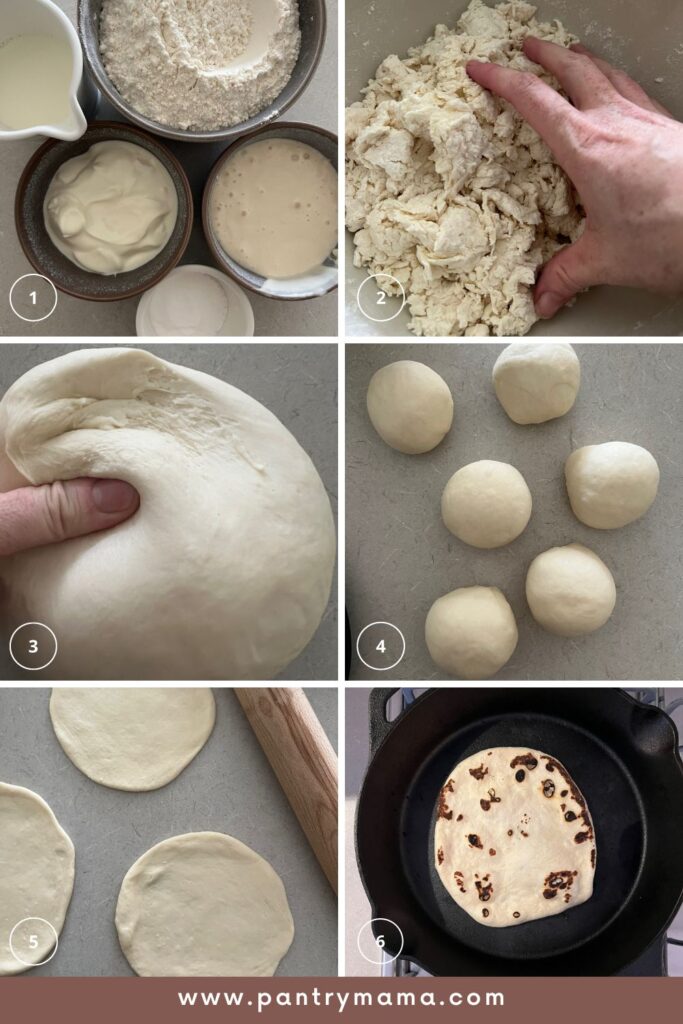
(313, 22)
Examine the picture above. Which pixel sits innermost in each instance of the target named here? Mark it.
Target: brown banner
(509, 1000)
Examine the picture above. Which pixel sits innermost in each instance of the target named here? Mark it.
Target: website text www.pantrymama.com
(341, 1001)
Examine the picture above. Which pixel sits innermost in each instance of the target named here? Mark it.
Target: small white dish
(157, 318)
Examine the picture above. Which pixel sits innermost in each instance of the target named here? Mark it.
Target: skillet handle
(380, 727)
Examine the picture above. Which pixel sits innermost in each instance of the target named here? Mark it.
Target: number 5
(33, 941)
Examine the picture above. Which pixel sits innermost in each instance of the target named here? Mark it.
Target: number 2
(381, 299)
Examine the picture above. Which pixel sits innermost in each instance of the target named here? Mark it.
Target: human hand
(624, 154)
(33, 516)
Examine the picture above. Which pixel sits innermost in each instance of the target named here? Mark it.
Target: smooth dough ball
(223, 573)
(203, 905)
(537, 381)
(410, 406)
(132, 739)
(486, 504)
(37, 862)
(471, 633)
(610, 485)
(570, 590)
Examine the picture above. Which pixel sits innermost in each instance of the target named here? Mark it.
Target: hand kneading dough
(410, 406)
(537, 381)
(225, 570)
(486, 504)
(610, 485)
(203, 905)
(471, 632)
(133, 739)
(570, 590)
(37, 864)
(514, 839)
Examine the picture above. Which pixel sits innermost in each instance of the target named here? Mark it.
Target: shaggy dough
(448, 189)
(610, 485)
(132, 739)
(203, 905)
(225, 570)
(570, 590)
(486, 504)
(410, 406)
(471, 632)
(36, 879)
(537, 381)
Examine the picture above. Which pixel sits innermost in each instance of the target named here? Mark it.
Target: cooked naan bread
(514, 839)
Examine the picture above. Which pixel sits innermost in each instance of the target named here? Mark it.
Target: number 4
(381, 647)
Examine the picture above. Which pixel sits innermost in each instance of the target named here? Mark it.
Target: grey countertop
(229, 787)
(298, 383)
(400, 557)
(76, 318)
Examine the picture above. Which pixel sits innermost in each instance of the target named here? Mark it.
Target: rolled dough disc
(37, 864)
(203, 905)
(132, 739)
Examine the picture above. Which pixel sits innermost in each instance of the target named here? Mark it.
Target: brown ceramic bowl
(44, 256)
(289, 288)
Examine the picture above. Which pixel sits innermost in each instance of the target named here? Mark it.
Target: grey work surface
(644, 39)
(76, 318)
(400, 557)
(229, 787)
(298, 383)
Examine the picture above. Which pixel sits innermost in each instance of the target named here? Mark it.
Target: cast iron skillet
(623, 756)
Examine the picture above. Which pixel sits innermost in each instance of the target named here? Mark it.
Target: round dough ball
(203, 905)
(486, 504)
(610, 485)
(471, 633)
(570, 590)
(132, 739)
(36, 880)
(410, 406)
(225, 570)
(537, 381)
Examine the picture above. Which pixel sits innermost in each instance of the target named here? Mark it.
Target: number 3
(33, 647)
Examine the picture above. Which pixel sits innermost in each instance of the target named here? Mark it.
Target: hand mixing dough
(225, 570)
(132, 739)
(449, 190)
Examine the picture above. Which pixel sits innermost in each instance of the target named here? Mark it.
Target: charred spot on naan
(478, 773)
(439, 855)
(493, 799)
(528, 760)
(444, 810)
(484, 888)
(559, 881)
(475, 841)
(459, 881)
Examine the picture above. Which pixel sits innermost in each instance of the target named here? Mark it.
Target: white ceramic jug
(42, 17)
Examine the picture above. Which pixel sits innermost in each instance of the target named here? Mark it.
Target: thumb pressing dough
(37, 865)
(570, 590)
(132, 739)
(225, 570)
(471, 633)
(203, 905)
(486, 504)
(610, 485)
(410, 406)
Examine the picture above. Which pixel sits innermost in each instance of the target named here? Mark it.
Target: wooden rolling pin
(302, 757)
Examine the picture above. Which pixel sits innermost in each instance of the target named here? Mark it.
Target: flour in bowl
(449, 190)
(200, 65)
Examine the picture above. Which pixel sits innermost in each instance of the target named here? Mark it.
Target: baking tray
(400, 557)
(298, 383)
(229, 787)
